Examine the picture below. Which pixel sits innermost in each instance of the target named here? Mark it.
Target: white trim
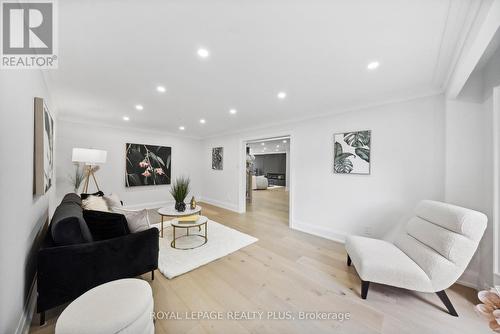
(319, 231)
(242, 204)
(75, 120)
(293, 121)
(468, 62)
(470, 19)
(24, 324)
(225, 205)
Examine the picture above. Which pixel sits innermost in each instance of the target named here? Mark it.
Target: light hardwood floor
(287, 270)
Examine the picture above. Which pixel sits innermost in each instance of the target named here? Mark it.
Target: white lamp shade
(89, 156)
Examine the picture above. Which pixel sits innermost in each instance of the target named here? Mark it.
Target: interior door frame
(242, 205)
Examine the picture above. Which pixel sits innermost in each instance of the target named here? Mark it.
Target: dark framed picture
(217, 158)
(44, 147)
(147, 165)
(352, 152)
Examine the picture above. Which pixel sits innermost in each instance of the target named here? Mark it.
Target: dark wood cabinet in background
(273, 166)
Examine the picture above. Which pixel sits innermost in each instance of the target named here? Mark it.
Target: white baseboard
(221, 204)
(318, 231)
(24, 324)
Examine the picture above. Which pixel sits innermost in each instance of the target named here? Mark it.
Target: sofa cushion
(380, 261)
(113, 201)
(137, 220)
(96, 203)
(68, 226)
(105, 225)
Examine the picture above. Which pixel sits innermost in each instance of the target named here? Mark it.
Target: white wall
(469, 171)
(407, 166)
(22, 214)
(111, 176)
(470, 165)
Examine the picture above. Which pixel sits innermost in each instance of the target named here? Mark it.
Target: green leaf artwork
(352, 152)
(357, 139)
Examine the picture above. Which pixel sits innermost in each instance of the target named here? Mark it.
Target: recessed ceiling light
(126, 118)
(161, 89)
(139, 107)
(182, 128)
(265, 148)
(263, 144)
(203, 53)
(202, 121)
(277, 146)
(281, 95)
(284, 141)
(233, 111)
(373, 65)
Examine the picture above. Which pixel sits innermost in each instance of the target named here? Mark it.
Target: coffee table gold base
(177, 214)
(204, 237)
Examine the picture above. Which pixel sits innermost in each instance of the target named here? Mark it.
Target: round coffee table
(169, 211)
(202, 221)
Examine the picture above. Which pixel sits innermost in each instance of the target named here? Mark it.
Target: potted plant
(77, 178)
(179, 191)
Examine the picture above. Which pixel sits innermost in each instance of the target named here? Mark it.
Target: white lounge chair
(429, 255)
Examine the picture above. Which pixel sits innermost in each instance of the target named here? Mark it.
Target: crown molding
(486, 22)
(75, 120)
(459, 22)
(292, 122)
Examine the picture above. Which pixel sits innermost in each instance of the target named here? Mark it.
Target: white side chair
(123, 306)
(429, 255)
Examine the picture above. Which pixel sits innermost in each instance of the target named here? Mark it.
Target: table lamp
(91, 158)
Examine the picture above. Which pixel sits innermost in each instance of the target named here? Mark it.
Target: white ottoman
(261, 182)
(122, 306)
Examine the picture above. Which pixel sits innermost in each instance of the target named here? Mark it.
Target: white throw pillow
(113, 201)
(96, 203)
(137, 220)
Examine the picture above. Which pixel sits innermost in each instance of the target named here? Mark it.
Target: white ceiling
(113, 54)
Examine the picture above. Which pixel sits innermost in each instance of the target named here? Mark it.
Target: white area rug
(222, 240)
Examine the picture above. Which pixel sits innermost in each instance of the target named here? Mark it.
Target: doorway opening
(267, 178)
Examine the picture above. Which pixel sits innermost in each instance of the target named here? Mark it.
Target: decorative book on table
(188, 219)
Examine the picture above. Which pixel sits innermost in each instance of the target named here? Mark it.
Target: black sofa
(83, 249)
